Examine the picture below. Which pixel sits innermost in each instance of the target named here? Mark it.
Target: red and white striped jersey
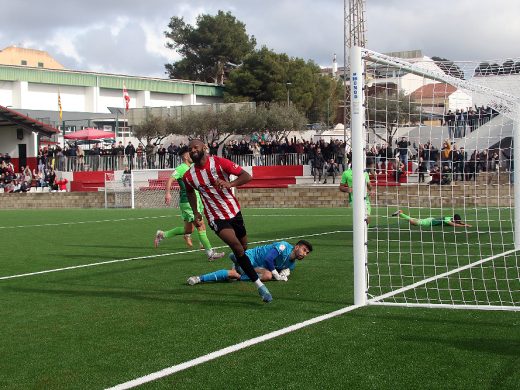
(218, 203)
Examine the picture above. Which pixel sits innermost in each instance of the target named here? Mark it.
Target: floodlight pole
(357, 115)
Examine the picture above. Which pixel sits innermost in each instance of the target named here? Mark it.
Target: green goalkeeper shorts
(187, 212)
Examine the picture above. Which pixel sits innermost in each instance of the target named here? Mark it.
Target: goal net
(140, 189)
(436, 137)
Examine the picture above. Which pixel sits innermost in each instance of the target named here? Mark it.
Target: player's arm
(232, 169)
(269, 263)
(343, 187)
(369, 188)
(242, 178)
(168, 195)
(458, 224)
(192, 199)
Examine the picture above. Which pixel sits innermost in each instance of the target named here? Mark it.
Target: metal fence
(120, 162)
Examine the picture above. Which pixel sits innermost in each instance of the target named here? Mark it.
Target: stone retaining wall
(38, 200)
(483, 193)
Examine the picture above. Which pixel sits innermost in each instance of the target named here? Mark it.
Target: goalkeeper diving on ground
(454, 221)
(271, 262)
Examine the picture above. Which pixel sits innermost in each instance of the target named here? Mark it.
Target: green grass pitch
(98, 326)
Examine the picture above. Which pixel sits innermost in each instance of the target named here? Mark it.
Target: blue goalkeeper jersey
(272, 256)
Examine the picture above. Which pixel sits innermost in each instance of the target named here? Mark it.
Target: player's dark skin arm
(344, 188)
(243, 178)
(192, 199)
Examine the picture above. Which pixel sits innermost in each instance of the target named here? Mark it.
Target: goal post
(438, 140)
(358, 181)
(143, 188)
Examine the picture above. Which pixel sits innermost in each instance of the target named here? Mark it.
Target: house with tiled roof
(440, 97)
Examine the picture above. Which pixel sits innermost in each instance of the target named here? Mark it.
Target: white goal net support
(437, 139)
(140, 189)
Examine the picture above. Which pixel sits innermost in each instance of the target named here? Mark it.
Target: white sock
(209, 252)
(258, 283)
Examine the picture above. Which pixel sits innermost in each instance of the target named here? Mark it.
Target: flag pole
(61, 117)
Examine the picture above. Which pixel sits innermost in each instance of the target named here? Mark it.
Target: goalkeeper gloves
(278, 277)
(285, 272)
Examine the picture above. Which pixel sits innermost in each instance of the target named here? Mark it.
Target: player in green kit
(346, 186)
(186, 211)
(454, 221)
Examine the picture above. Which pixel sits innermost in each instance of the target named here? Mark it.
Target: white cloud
(156, 41)
(111, 37)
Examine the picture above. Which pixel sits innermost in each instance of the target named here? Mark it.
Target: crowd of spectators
(42, 176)
(326, 159)
(464, 121)
(74, 157)
(444, 165)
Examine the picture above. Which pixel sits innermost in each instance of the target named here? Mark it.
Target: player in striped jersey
(210, 176)
(272, 261)
(186, 211)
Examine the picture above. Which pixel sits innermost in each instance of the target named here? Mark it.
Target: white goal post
(144, 188)
(455, 125)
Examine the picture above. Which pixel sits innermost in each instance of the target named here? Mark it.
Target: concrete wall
(39, 200)
(486, 192)
(403, 196)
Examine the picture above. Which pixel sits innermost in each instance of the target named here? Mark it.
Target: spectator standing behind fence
(449, 120)
(95, 154)
(80, 155)
(317, 164)
(150, 157)
(172, 151)
(402, 147)
(130, 153)
(257, 157)
(161, 152)
(120, 155)
(140, 156)
(422, 169)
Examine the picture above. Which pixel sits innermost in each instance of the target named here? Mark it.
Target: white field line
(84, 222)
(233, 348)
(152, 256)
(160, 216)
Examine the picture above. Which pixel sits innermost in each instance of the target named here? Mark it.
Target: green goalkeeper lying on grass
(455, 221)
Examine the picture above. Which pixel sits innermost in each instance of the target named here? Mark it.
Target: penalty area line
(228, 350)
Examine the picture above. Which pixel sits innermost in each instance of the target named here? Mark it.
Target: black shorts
(236, 223)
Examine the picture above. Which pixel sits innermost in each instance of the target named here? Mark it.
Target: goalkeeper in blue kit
(272, 262)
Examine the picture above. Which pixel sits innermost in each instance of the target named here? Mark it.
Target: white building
(30, 84)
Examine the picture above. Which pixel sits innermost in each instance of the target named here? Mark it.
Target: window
(24, 62)
(40, 64)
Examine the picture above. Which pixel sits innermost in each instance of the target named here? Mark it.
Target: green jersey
(178, 174)
(346, 178)
(427, 222)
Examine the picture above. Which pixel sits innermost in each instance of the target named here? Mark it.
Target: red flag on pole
(126, 97)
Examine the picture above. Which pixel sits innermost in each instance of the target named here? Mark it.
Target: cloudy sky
(126, 37)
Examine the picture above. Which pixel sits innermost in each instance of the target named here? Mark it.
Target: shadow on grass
(473, 344)
(174, 295)
(436, 317)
